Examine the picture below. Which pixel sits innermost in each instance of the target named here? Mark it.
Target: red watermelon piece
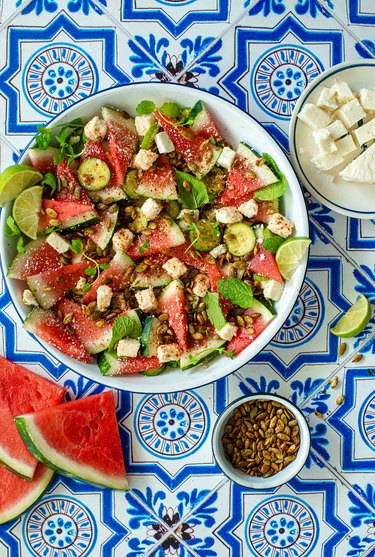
(42, 159)
(159, 181)
(39, 257)
(21, 391)
(242, 339)
(204, 124)
(264, 264)
(172, 301)
(123, 142)
(166, 235)
(240, 186)
(72, 191)
(115, 276)
(64, 210)
(114, 367)
(79, 439)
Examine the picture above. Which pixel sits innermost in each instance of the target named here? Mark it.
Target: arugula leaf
(193, 192)
(273, 243)
(145, 107)
(238, 292)
(268, 193)
(144, 246)
(11, 228)
(214, 311)
(171, 109)
(49, 180)
(76, 245)
(124, 326)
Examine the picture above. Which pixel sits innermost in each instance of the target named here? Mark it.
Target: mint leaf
(273, 243)
(49, 180)
(170, 109)
(143, 247)
(76, 245)
(145, 107)
(273, 191)
(20, 246)
(214, 311)
(124, 326)
(193, 192)
(90, 271)
(238, 292)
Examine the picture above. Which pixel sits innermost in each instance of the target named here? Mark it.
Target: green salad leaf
(238, 292)
(273, 191)
(49, 180)
(214, 311)
(145, 107)
(272, 243)
(193, 192)
(171, 109)
(124, 326)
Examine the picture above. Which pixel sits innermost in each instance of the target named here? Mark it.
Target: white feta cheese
(146, 300)
(164, 143)
(151, 208)
(168, 352)
(365, 133)
(367, 98)
(327, 99)
(28, 298)
(201, 285)
(96, 129)
(336, 129)
(218, 251)
(342, 92)
(361, 169)
(104, 297)
(226, 157)
(128, 348)
(249, 209)
(122, 240)
(228, 215)
(314, 117)
(144, 159)
(175, 267)
(227, 332)
(272, 289)
(280, 225)
(327, 162)
(74, 139)
(143, 123)
(186, 217)
(346, 146)
(351, 112)
(324, 141)
(80, 283)
(58, 242)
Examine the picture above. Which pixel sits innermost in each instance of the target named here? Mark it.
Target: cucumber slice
(110, 194)
(140, 222)
(261, 170)
(215, 182)
(200, 353)
(77, 223)
(94, 174)
(239, 238)
(148, 139)
(154, 372)
(205, 235)
(149, 337)
(172, 208)
(131, 185)
(104, 230)
(155, 277)
(266, 311)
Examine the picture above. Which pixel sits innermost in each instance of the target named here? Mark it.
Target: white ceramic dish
(348, 198)
(235, 126)
(254, 482)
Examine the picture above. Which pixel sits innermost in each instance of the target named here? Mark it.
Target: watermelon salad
(154, 242)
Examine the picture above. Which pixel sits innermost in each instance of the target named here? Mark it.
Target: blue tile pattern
(259, 54)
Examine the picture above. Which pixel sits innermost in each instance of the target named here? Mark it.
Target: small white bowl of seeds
(261, 441)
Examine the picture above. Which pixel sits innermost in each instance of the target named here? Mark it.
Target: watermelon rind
(46, 454)
(200, 353)
(22, 469)
(20, 506)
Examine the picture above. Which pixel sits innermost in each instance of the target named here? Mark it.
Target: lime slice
(26, 209)
(289, 255)
(15, 179)
(354, 320)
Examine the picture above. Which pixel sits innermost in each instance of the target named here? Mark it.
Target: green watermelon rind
(16, 466)
(22, 505)
(56, 461)
(200, 354)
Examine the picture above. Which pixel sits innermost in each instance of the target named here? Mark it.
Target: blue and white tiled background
(179, 503)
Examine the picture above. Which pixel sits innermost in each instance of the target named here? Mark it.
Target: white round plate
(235, 126)
(349, 198)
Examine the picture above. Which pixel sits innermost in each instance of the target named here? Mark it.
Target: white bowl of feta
(236, 126)
(332, 133)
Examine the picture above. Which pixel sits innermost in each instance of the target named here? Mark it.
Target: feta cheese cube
(96, 129)
(128, 348)
(144, 159)
(324, 141)
(314, 117)
(327, 162)
(367, 98)
(143, 123)
(249, 209)
(122, 240)
(201, 285)
(227, 332)
(28, 298)
(168, 352)
(362, 168)
(336, 129)
(146, 299)
(104, 297)
(151, 208)
(365, 133)
(272, 289)
(228, 215)
(58, 242)
(346, 145)
(164, 143)
(342, 92)
(218, 251)
(186, 217)
(351, 112)
(80, 283)
(280, 225)
(327, 99)
(226, 157)
(175, 267)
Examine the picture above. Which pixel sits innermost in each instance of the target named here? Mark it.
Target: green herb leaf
(273, 191)
(86, 287)
(145, 107)
(90, 271)
(214, 311)
(273, 243)
(230, 353)
(43, 139)
(103, 266)
(170, 109)
(144, 246)
(20, 246)
(76, 245)
(238, 292)
(195, 194)
(49, 180)
(11, 228)
(259, 278)
(124, 326)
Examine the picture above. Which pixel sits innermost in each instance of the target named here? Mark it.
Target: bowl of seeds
(261, 441)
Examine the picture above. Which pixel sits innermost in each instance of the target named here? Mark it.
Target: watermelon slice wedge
(18, 494)
(71, 189)
(264, 264)
(21, 391)
(79, 439)
(172, 301)
(115, 275)
(166, 235)
(39, 257)
(262, 316)
(123, 141)
(42, 159)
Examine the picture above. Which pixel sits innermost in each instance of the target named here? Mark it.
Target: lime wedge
(15, 179)
(289, 255)
(354, 320)
(26, 209)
